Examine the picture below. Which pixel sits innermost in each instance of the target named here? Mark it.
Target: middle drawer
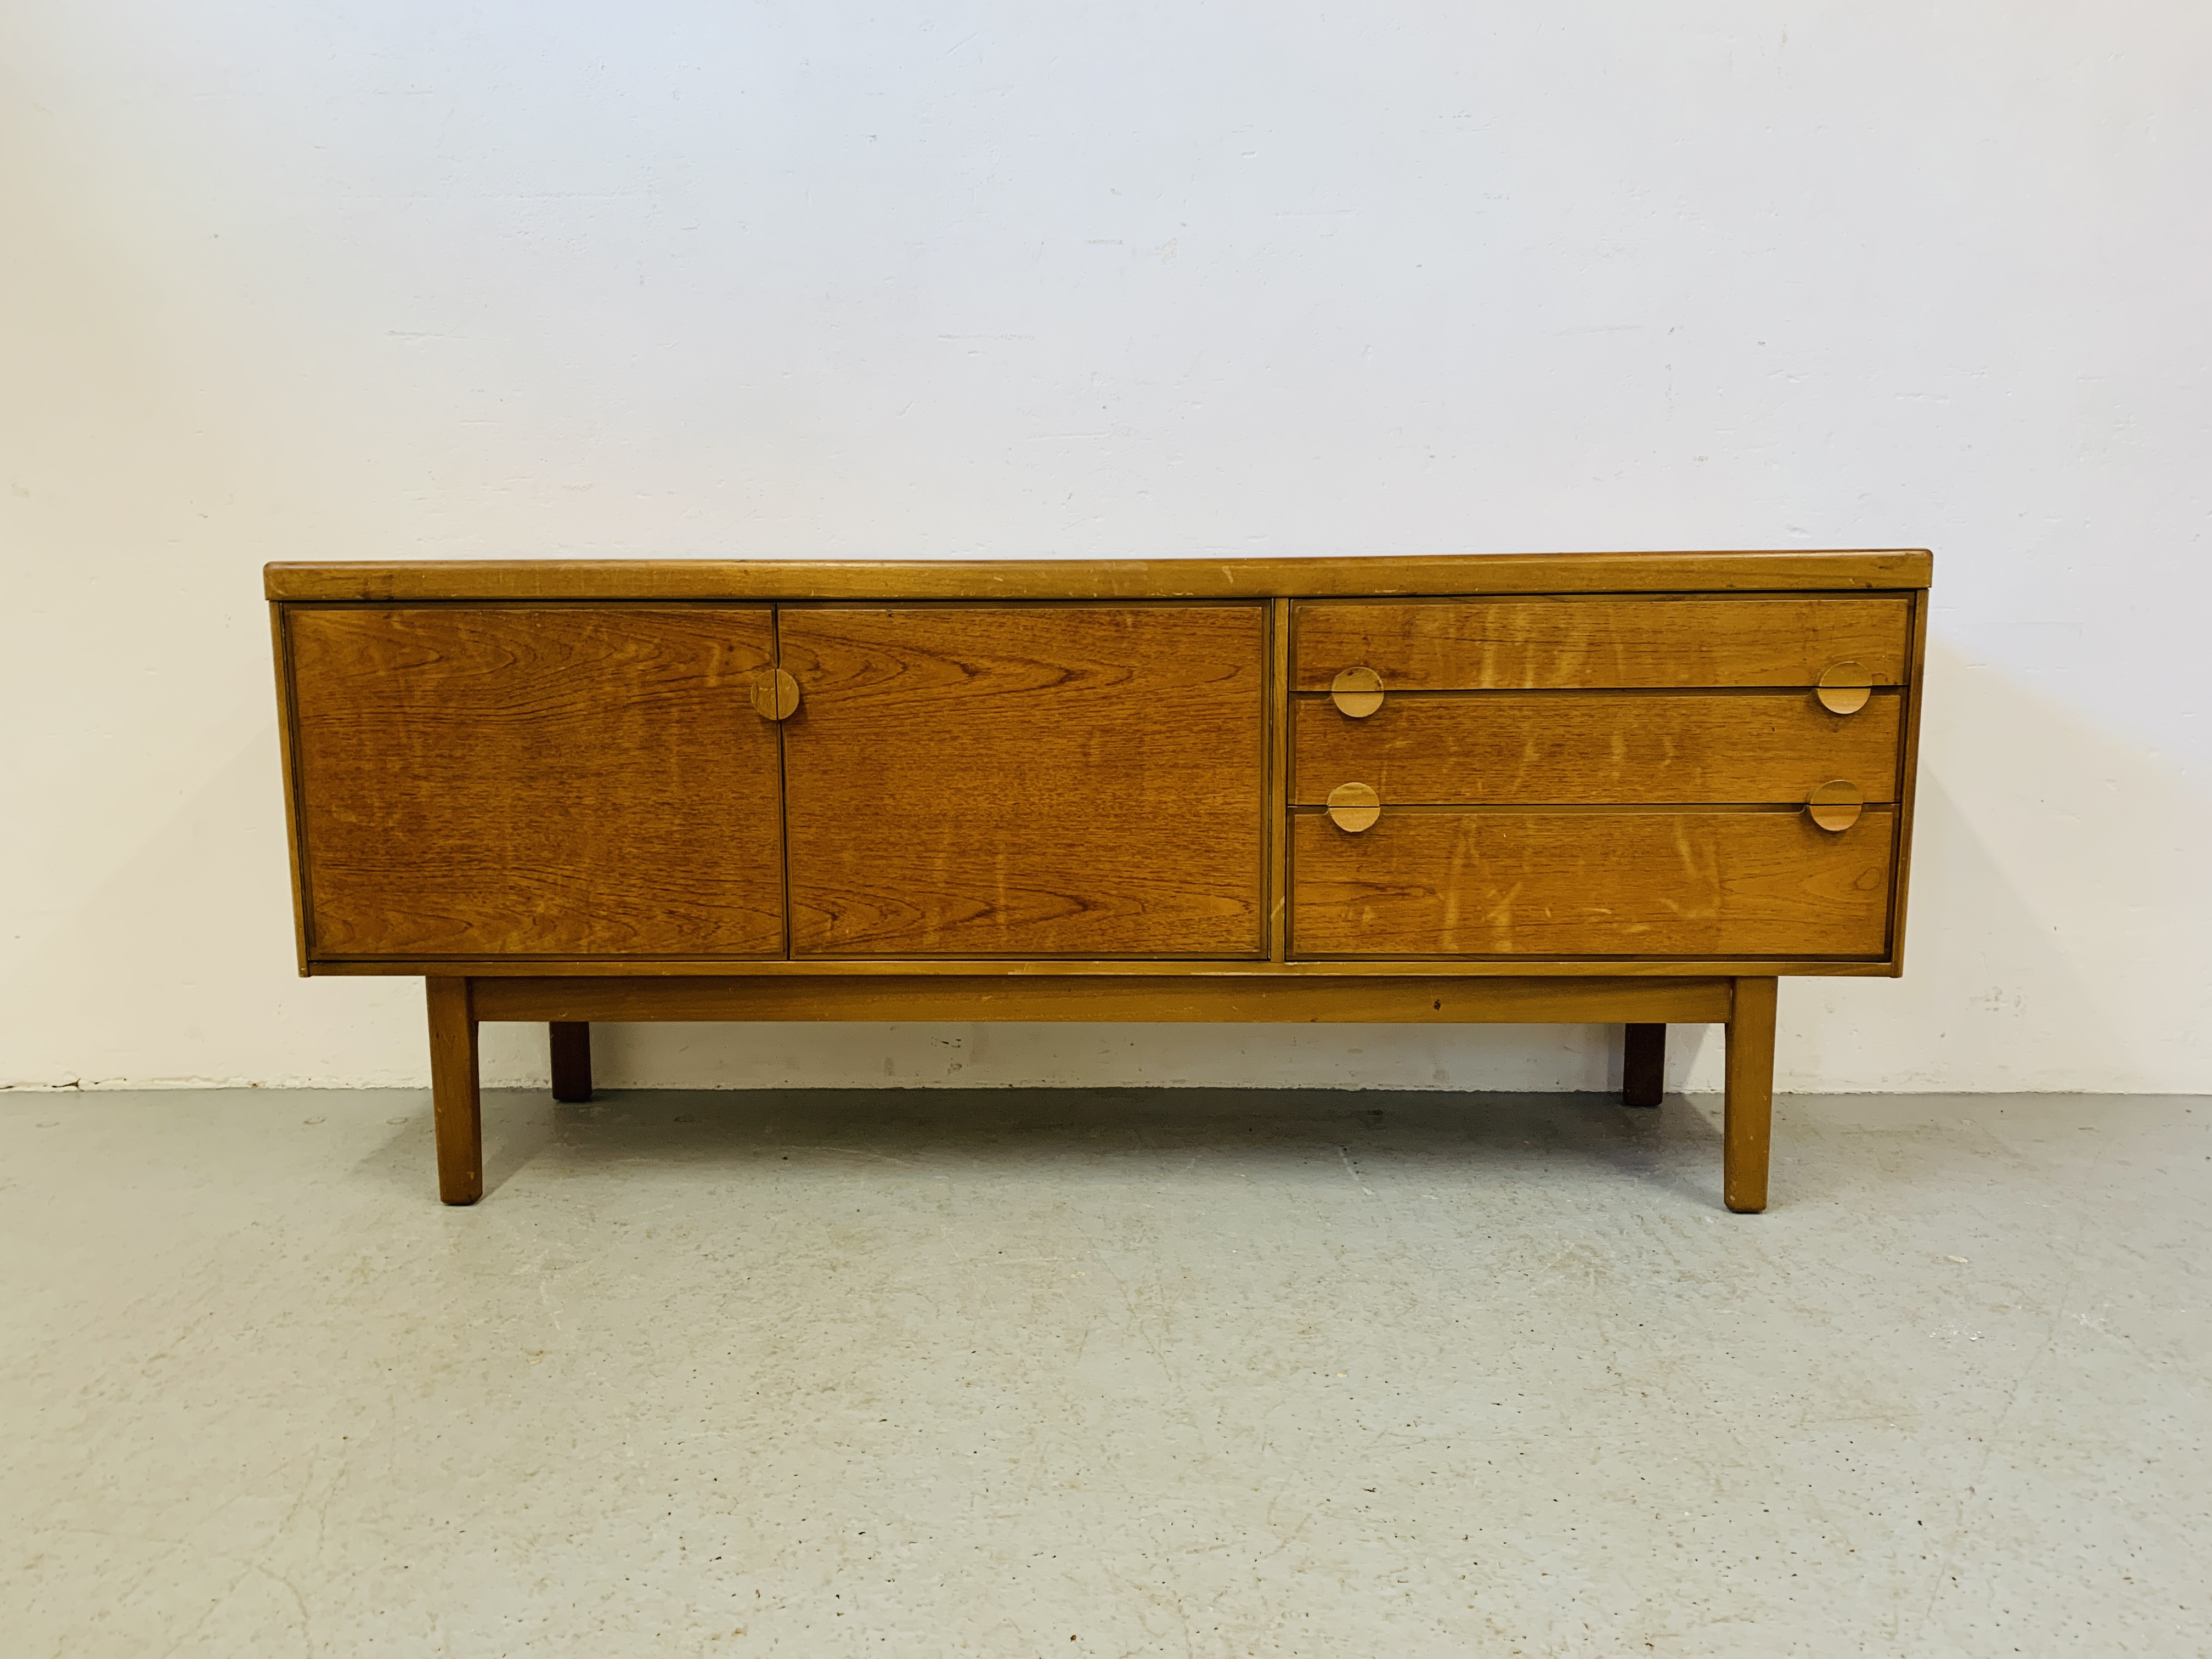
(1597, 748)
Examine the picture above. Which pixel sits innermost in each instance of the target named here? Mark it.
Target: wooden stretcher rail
(996, 997)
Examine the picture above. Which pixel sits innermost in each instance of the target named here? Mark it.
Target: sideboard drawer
(1594, 884)
(1655, 640)
(1595, 748)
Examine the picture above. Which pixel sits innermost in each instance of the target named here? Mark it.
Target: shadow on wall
(2060, 927)
(173, 965)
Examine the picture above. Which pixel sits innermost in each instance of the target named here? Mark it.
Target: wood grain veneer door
(536, 779)
(1026, 781)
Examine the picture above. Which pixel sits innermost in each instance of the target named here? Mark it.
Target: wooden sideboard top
(1322, 577)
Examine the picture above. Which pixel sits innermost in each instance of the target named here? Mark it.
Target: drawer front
(1027, 780)
(1484, 645)
(1691, 885)
(479, 780)
(1595, 748)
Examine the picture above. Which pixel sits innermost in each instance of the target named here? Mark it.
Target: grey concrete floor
(1122, 1373)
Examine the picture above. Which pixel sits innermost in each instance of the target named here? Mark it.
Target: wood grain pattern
(384, 582)
(536, 779)
(456, 1101)
(1506, 645)
(1595, 748)
(1748, 1124)
(1026, 781)
(1411, 1001)
(1590, 885)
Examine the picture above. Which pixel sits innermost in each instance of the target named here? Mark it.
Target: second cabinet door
(1026, 779)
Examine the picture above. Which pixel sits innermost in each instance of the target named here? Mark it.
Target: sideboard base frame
(567, 1005)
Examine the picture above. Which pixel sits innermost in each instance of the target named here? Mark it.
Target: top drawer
(1531, 644)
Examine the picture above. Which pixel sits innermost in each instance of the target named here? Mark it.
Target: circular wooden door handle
(1357, 692)
(1835, 806)
(775, 695)
(1354, 807)
(1844, 688)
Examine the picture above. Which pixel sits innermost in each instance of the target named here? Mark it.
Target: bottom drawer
(1434, 883)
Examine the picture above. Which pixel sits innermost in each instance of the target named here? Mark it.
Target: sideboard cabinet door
(536, 779)
(1026, 779)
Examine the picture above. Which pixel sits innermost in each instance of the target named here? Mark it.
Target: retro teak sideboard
(1632, 788)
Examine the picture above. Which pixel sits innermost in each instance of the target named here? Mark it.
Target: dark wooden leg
(572, 1060)
(454, 1100)
(1750, 1110)
(1642, 1065)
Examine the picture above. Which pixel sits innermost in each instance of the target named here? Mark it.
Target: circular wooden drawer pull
(1844, 688)
(1836, 805)
(775, 695)
(1357, 692)
(1354, 806)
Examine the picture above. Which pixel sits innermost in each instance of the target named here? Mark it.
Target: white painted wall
(355, 281)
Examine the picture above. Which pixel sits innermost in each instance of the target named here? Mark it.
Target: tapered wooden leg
(454, 1100)
(572, 1059)
(1750, 1110)
(1642, 1065)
